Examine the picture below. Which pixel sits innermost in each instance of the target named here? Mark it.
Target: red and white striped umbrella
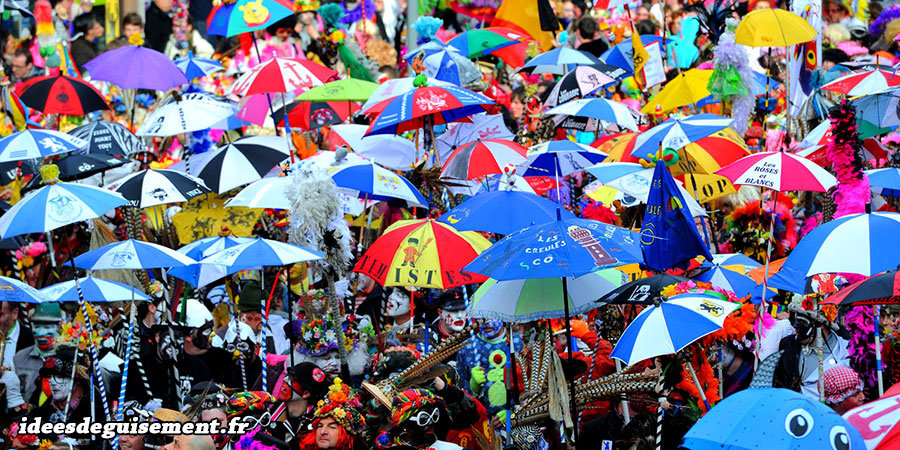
(864, 83)
(484, 157)
(779, 171)
(282, 75)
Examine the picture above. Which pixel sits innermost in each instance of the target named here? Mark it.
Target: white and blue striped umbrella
(672, 326)
(676, 133)
(559, 60)
(728, 279)
(560, 158)
(201, 248)
(266, 193)
(93, 290)
(195, 67)
(600, 109)
(376, 183)
(866, 244)
(199, 275)
(13, 290)
(57, 205)
(445, 63)
(261, 252)
(36, 143)
(131, 254)
(885, 181)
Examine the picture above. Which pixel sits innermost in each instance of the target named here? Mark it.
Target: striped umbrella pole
(660, 413)
(95, 358)
(241, 355)
(265, 323)
(128, 344)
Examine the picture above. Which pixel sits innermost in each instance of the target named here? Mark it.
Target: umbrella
(502, 212)
(62, 95)
(583, 80)
(888, 179)
(526, 300)
(347, 89)
(864, 83)
(634, 180)
(677, 133)
(11, 169)
(558, 61)
(57, 205)
(618, 147)
(36, 143)
(435, 104)
(282, 75)
(376, 183)
(482, 126)
(423, 253)
(483, 41)
(131, 254)
(237, 163)
(94, 290)
(642, 291)
(202, 248)
(445, 63)
(136, 67)
(308, 115)
(773, 28)
(196, 67)
(391, 89)
(672, 325)
(153, 187)
(242, 16)
(265, 193)
(711, 153)
(878, 421)
(108, 138)
(76, 167)
(687, 88)
(13, 290)
(622, 54)
(16, 5)
(728, 280)
(600, 109)
(260, 252)
(878, 109)
(766, 169)
(390, 151)
(191, 112)
(875, 290)
(558, 159)
(792, 422)
(736, 261)
(483, 157)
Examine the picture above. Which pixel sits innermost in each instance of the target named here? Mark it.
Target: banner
(805, 58)
(112, 20)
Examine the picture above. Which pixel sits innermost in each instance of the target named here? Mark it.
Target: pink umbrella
(864, 83)
(282, 75)
(779, 171)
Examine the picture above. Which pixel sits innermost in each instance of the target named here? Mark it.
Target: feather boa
(730, 79)
(748, 224)
(352, 16)
(860, 322)
(883, 19)
(843, 151)
(247, 442)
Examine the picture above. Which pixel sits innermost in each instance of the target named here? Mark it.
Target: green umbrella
(347, 90)
(539, 298)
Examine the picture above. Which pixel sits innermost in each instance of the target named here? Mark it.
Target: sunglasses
(423, 419)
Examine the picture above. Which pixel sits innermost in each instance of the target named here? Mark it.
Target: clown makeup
(59, 387)
(45, 335)
(454, 321)
(169, 351)
(330, 363)
(397, 304)
(289, 390)
(491, 329)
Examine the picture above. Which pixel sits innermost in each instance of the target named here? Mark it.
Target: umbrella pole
(510, 382)
(877, 321)
(359, 244)
(50, 248)
(565, 292)
(287, 126)
(766, 109)
(821, 383)
(268, 97)
(699, 387)
(124, 384)
(762, 301)
(71, 383)
(290, 307)
(660, 412)
(626, 413)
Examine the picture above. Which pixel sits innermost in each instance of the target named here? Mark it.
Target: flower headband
(341, 404)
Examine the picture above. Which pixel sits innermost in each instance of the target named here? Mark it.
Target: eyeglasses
(423, 419)
(242, 346)
(263, 421)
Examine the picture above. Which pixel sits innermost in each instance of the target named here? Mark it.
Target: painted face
(454, 321)
(330, 363)
(168, 348)
(45, 335)
(397, 304)
(59, 387)
(492, 329)
(286, 393)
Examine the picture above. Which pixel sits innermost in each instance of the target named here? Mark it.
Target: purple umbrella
(134, 67)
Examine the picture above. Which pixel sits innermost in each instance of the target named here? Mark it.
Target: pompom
(43, 17)
(427, 27)
(420, 80)
(331, 13)
(136, 39)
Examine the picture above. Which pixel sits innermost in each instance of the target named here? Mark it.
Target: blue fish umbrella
(57, 205)
(242, 16)
(562, 248)
(772, 419)
(13, 290)
(93, 290)
(131, 254)
(502, 212)
(195, 67)
(677, 133)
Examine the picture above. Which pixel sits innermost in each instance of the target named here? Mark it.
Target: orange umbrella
(618, 147)
(774, 267)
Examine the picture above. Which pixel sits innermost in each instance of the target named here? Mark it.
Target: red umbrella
(314, 115)
(62, 95)
(484, 157)
(864, 83)
(877, 421)
(875, 290)
(282, 75)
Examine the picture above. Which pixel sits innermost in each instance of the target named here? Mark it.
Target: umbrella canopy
(376, 183)
(260, 252)
(538, 298)
(887, 179)
(558, 159)
(136, 67)
(600, 109)
(622, 54)
(642, 291)
(711, 153)
(773, 28)
(634, 180)
(306, 115)
(265, 193)
(13, 290)
(439, 104)
(583, 80)
(195, 67)
(858, 243)
(131, 254)
(109, 138)
(93, 290)
(483, 41)
(237, 163)
(502, 212)
(558, 60)
(446, 64)
(391, 89)
(483, 157)
(729, 280)
(12, 169)
(618, 147)
(879, 109)
(482, 126)
(879, 289)
(76, 167)
(62, 95)
(191, 112)
(779, 171)
(282, 75)
(153, 187)
(879, 421)
(201, 248)
(687, 88)
(562, 248)
(56, 205)
(677, 133)
(672, 326)
(864, 83)
(390, 151)
(423, 253)
(242, 16)
(738, 262)
(36, 143)
(347, 89)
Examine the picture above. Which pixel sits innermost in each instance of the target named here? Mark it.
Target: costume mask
(45, 335)
(59, 387)
(491, 329)
(397, 304)
(169, 350)
(330, 363)
(454, 321)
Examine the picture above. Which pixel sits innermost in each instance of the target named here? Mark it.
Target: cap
(840, 383)
(311, 378)
(451, 300)
(251, 297)
(47, 313)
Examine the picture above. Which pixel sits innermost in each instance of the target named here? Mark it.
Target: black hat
(451, 300)
(251, 297)
(311, 378)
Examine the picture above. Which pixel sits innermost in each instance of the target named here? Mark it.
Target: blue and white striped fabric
(676, 133)
(199, 275)
(885, 181)
(558, 60)
(194, 67)
(13, 290)
(131, 254)
(560, 158)
(94, 290)
(260, 252)
(672, 326)
(866, 244)
(57, 205)
(599, 109)
(378, 182)
(37, 143)
(201, 248)
(727, 279)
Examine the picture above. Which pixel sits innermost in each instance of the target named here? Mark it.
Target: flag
(525, 16)
(804, 58)
(668, 234)
(640, 55)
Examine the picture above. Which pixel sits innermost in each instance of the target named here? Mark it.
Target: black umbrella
(153, 187)
(582, 81)
(108, 138)
(641, 292)
(238, 163)
(9, 169)
(76, 167)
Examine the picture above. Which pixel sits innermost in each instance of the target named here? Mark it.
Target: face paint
(330, 363)
(168, 349)
(45, 335)
(397, 304)
(492, 329)
(59, 387)
(454, 321)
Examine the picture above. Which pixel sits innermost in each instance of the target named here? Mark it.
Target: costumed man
(170, 372)
(452, 317)
(45, 320)
(481, 364)
(316, 342)
(302, 387)
(239, 341)
(398, 307)
(798, 367)
(420, 420)
(338, 424)
(198, 344)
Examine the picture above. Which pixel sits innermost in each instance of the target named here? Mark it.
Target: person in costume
(303, 386)
(843, 389)
(240, 342)
(452, 317)
(421, 419)
(482, 362)
(45, 321)
(317, 343)
(338, 424)
(398, 309)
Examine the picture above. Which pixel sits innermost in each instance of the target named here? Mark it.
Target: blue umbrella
(445, 63)
(131, 254)
(887, 179)
(57, 205)
(621, 54)
(13, 290)
(727, 279)
(194, 67)
(678, 132)
(559, 61)
(437, 104)
(772, 419)
(734, 259)
(260, 252)
(37, 143)
(202, 248)
(598, 109)
(93, 289)
(502, 212)
(376, 183)
(560, 158)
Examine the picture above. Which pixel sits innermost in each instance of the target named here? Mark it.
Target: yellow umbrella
(688, 88)
(773, 28)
